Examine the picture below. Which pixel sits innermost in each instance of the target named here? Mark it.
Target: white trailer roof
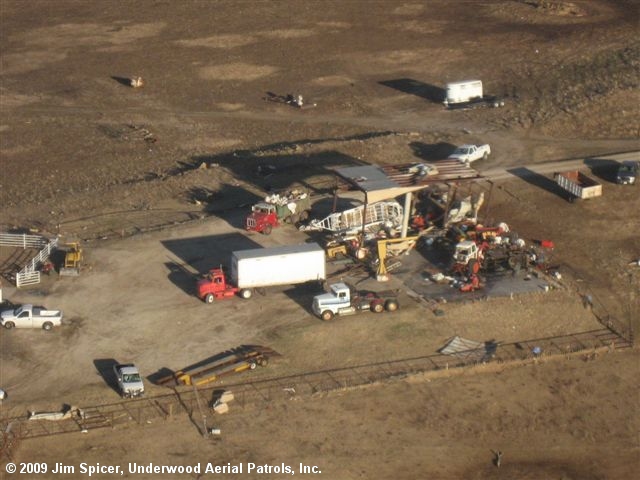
(277, 251)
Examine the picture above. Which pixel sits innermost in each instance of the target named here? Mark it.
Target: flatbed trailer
(236, 360)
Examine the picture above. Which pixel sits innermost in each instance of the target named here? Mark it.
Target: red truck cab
(263, 218)
(214, 285)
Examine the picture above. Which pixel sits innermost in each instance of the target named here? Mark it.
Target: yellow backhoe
(72, 260)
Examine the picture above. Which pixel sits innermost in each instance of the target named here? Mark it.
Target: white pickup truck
(471, 153)
(129, 380)
(28, 316)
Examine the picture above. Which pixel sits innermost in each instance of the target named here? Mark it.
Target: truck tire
(209, 298)
(377, 307)
(47, 326)
(327, 315)
(9, 325)
(246, 293)
(485, 156)
(252, 366)
(391, 305)
(304, 215)
(263, 362)
(267, 229)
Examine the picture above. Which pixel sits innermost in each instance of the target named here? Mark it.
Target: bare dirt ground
(88, 158)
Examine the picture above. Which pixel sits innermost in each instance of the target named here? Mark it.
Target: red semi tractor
(264, 267)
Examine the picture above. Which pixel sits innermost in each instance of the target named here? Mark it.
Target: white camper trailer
(461, 92)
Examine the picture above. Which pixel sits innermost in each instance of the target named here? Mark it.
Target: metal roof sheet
(389, 181)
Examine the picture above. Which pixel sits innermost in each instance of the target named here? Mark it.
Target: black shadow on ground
(540, 181)
(160, 374)
(603, 168)
(414, 87)
(205, 252)
(269, 170)
(181, 277)
(122, 81)
(303, 294)
(438, 253)
(325, 206)
(432, 151)
(224, 201)
(57, 258)
(104, 366)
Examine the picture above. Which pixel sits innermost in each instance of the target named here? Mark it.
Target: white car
(471, 153)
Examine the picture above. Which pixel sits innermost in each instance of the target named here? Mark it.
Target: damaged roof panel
(367, 178)
(389, 181)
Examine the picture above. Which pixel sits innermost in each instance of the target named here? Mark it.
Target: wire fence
(252, 394)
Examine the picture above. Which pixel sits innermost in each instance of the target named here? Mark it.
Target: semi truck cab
(263, 218)
(341, 300)
(215, 285)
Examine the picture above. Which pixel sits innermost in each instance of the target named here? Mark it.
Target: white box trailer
(465, 91)
(287, 265)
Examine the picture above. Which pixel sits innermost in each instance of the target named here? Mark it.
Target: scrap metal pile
(476, 248)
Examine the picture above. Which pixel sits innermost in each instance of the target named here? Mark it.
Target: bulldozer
(72, 260)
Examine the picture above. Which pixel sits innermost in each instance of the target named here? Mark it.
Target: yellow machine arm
(395, 247)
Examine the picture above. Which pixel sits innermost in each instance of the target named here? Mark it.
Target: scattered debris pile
(470, 349)
(220, 404)
(137, 82)
(67, 412)
(295, 100)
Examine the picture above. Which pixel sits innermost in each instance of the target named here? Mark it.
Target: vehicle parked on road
(471, 153)
(28, 316)
(129, 380)
(264, 267)
(291, 207)
(628, 172)
(343, 300)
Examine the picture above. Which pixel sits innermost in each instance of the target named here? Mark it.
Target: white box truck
(264, 267)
